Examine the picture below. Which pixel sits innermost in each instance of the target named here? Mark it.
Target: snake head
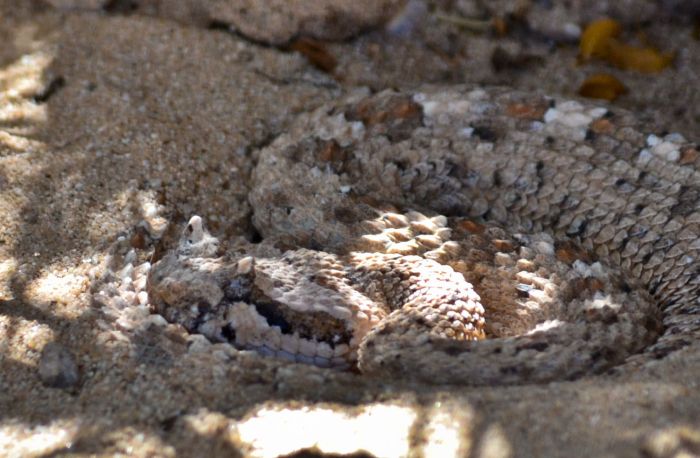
(196, 241)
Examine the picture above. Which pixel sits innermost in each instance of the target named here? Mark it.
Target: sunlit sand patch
(24, 76)
(145, 204)
(19, 143)
(8, 267)
(448, 430)
(21, 440)
(21, 341)
(21, 82)
(494, 443)
(52, 289)
(380, 430)
(22, 111)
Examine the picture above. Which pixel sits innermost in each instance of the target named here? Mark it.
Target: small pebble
(142, 297)
(197, 343)
(57, 367)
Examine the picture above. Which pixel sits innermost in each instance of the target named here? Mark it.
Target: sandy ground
(116, 112)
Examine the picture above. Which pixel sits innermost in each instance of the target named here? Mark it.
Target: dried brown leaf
(602, 86)
(596, 37)
(645, 60)
(316, 53)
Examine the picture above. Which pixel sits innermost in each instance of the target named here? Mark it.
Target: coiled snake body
(455, 236)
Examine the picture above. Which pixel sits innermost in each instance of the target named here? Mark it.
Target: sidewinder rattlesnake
(478, 236)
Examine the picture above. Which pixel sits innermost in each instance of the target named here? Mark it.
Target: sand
(113, 113)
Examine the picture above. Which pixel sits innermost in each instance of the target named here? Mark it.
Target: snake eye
(190, 230)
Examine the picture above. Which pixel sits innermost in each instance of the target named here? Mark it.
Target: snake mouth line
(311, 326)
(255, 322)
(266, 331)
(334, 332)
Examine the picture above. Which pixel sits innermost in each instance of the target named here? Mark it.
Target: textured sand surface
(113, 113)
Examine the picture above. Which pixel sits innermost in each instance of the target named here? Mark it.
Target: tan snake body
(580, 232)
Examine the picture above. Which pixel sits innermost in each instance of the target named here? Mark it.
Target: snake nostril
(229, 332)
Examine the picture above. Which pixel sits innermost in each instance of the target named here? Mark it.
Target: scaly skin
(579, 231)
(527, 162)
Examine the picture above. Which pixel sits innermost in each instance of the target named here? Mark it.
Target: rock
(274, 21)
(57, 367)
(279, 21)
